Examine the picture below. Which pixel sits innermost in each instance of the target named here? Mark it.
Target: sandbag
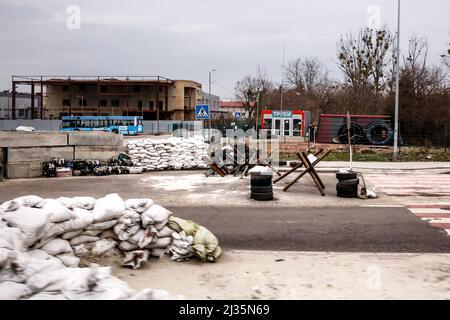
(69, 260)
(155, 214)
(161, 243)
(206, 246)
(109, 207)
(57, 211)
(138, 205)
(57, 246)
(127, 246)
(82, 239)
(71, 234)
(10, 290)
(86, 203)
(102, 246)
(134, 259)
(30, 221)
(102, 225)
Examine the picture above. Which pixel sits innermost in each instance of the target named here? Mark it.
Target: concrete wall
(26, 151)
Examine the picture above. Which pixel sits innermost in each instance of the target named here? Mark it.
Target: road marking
(437, 215)
(383, 205)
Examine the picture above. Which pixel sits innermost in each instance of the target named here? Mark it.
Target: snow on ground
(189, 182)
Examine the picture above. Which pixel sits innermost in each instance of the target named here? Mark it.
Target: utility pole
(209, 104)
(397, 87)
(282, 77)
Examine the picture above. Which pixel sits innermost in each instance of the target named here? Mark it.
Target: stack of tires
(347, 186)
(261, 187)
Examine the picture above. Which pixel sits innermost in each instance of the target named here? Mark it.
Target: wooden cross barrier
(309, 168)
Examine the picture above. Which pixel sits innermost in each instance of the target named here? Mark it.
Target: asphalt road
(363, 229)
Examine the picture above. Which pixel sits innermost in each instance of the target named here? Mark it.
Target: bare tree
(254, 89)
(364, 60)
(306, 75)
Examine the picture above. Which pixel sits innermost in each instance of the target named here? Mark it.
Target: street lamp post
(397, 87)
(209, 103)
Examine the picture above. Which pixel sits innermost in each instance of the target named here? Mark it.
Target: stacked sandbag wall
(174, 153)
(42, 242)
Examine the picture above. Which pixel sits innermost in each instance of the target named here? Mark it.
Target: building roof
(233, 104)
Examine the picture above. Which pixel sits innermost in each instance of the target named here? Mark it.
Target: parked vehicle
(126, 125)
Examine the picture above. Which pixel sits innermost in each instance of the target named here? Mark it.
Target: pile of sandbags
(39, 274)
(37, 233)
(142, 230)
(174, 153)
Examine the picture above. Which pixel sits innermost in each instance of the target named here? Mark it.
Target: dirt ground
(299, 275)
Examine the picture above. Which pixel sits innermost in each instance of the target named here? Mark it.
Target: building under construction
(153, 97)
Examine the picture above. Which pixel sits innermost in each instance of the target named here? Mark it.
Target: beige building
(151, 97)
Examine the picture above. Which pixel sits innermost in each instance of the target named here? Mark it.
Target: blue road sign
(237, 115)
(202, 112)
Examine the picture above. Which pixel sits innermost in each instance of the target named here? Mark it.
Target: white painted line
(428, 210)
(383, 205)
(437, 220)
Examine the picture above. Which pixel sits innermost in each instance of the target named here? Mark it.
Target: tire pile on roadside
(347, 186)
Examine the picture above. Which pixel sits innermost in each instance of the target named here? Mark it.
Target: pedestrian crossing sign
(202, 112)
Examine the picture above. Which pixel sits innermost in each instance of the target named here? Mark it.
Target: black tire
(346, 176)
(262, 196)
(260, 181)
(347, 195)
(347, 191)
(115, 131)
(379, 133)
(267, 189)
(348, 182)
(356, 133)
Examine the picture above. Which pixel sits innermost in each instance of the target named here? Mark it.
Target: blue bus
(126, 125)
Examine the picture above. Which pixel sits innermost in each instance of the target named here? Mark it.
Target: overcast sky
(184, 39)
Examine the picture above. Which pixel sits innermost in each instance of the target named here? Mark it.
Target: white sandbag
(71, 234)
(130, 218)
(161, 243)
(109, 234)
(83, 218)
(57, 246)
(57, 211)
(165, 232)
(109, 207)
(124, 232)
(12, 239)
(134, 259)
(5, 257)
(102, 225)
(102, 246)
(92, 233)
(157, 253)
(30, 221)
(81, 250)
(138, 205)
(69, 260)
(10, 290)
(127, 246)
(48, 296)
(86, 203)
(82, 239)
(30, 201)
(155, 214)
(155, 294)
